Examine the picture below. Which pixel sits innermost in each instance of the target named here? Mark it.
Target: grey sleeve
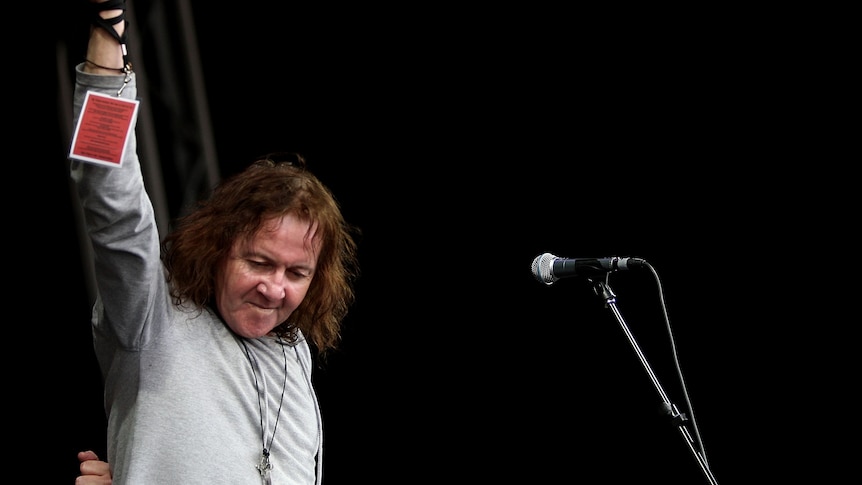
(120, 223)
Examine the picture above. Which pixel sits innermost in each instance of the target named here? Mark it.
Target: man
(205, 338)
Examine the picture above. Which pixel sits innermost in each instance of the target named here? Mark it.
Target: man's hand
(93, 470)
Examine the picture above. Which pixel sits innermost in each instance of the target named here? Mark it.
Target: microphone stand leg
(679, 419)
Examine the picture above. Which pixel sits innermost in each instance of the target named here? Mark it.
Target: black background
(464, 144)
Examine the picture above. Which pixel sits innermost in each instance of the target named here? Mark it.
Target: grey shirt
(181, 389)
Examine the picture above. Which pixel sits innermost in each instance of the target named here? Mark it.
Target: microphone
(548, 268)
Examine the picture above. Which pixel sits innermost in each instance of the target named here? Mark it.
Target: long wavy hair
(238, 208)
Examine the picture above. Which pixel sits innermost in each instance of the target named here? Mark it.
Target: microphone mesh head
(542, 268)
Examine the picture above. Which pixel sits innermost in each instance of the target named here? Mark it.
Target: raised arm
(118, 214)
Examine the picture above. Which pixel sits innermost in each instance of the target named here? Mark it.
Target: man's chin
(254, 333)
(255, 328)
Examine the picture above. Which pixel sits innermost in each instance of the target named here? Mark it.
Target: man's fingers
(87, 455)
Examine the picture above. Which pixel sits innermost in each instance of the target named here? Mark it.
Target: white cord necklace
(264, 466)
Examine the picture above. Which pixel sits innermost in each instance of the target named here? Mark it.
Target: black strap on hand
(108, 24)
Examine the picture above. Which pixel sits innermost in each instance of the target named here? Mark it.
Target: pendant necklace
(264, 465)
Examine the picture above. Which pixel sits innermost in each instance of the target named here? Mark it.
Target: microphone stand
(679, 419)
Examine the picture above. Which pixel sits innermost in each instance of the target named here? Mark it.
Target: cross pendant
(264, 466)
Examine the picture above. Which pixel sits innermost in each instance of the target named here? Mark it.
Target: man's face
(263, 280)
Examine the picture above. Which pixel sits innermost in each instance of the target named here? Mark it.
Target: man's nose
(272, 289)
